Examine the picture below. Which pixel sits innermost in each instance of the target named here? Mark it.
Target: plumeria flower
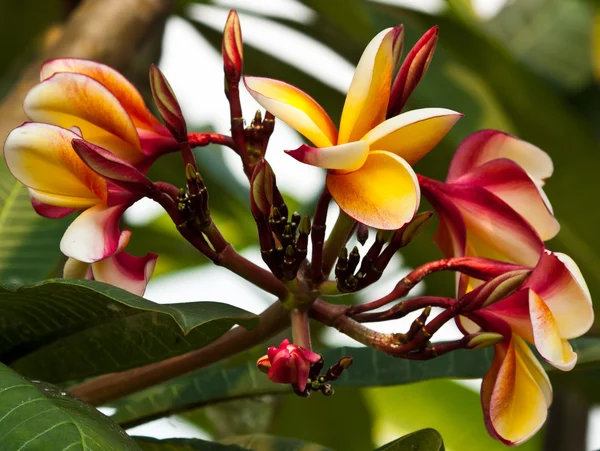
(551, 307)
(369, 159)
(82, 99)
(288, 364)
(492, 204)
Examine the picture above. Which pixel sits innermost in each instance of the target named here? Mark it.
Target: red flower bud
(233, 52)
(167, 104)
(412, 71)
(288, 364)
(261, 189)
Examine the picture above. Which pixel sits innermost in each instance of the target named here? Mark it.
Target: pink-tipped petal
(487, 145)
(557, 280)
(369, 93)
(41, 157)
(117, 84)
(126, 271)
(94, 235)
(413, 134)
(383, 193)
(68, 100)
(50, 211)
(345, 157)
(508, 181)
(295, 108)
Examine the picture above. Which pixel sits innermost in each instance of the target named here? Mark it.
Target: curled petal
(413, 134)
(487, 145)
(94, 235)
(68, 100)
(126, 271)
(295, 108)
(508, 181)
(369, 93)
(49, 211)
(557, 280)
(345, 157)
(515, 393)
(41, 157)
(383, 193)
(127, 95)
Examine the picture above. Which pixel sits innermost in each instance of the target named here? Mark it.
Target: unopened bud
(167, 104)
(362, 234)
(263, 364)
(336, 370)
(496, 289)
(304, 227)
(411, 230)
(261, 192)
(412, 71)
(397, 45)
(232, 48)
(484, 340)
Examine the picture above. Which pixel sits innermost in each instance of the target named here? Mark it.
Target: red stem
(403, 308)
(318, 235)
(204, 139)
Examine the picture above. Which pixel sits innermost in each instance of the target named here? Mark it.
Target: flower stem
(204, 139)
(317, 236)
(300, 328)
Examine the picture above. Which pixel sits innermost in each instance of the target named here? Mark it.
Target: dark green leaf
(183, 444)
(261, 442)
(39, 416)
(86, 328)
(29, 244)
(423, 440)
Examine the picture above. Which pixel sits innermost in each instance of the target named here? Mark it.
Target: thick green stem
(337, 240)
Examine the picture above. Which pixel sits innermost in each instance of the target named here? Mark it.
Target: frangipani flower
(369, 160)
(288, 364)
(490, 205)
(551, 307)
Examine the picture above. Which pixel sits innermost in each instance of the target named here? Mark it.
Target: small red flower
(288, 364)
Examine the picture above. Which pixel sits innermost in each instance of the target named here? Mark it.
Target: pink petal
(126, 271)
(344, 158)
(50, 211)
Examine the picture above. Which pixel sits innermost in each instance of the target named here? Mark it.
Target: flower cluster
(92, 142)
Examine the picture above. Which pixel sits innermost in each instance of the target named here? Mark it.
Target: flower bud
(411, 230)
(412, 71)
(495, 290)
(261, 189)
(288, 364)
(167, 104)
(362, 234)
(484, 340)
(397, 45)
(232, 48)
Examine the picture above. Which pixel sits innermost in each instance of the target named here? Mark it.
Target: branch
(111, 387)
(108, 31)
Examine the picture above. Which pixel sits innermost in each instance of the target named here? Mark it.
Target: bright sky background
(194, 68)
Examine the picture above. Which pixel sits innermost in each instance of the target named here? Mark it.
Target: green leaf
(36, 416)
(424, 440)
(86, 328)
(183, 444)
(29, 244)
(262, 442)
(370, 368)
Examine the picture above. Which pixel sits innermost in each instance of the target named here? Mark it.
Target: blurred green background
(531, 69)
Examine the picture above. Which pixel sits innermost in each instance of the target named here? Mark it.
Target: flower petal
(558, 281)
(369, 93)
(346, 157)
(487, 145)
(126, 271)
(41, 157)
(413, 134)
(295, 108)
(516, 400)
(508, 181)
(49, 211)
(546, 336)
(117, 84)
(383, 193)
(69, 100)
(94, 235)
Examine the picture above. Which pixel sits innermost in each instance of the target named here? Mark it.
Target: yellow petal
(413, 134)
(117, 84)
(68, 100)
(295, 108)
(383, 193)
(345, 157)
(520, 397)
(41, 157)
(369, 92)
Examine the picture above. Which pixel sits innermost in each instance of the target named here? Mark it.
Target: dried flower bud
(412, 71)
(232, 48)
(167, 104)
